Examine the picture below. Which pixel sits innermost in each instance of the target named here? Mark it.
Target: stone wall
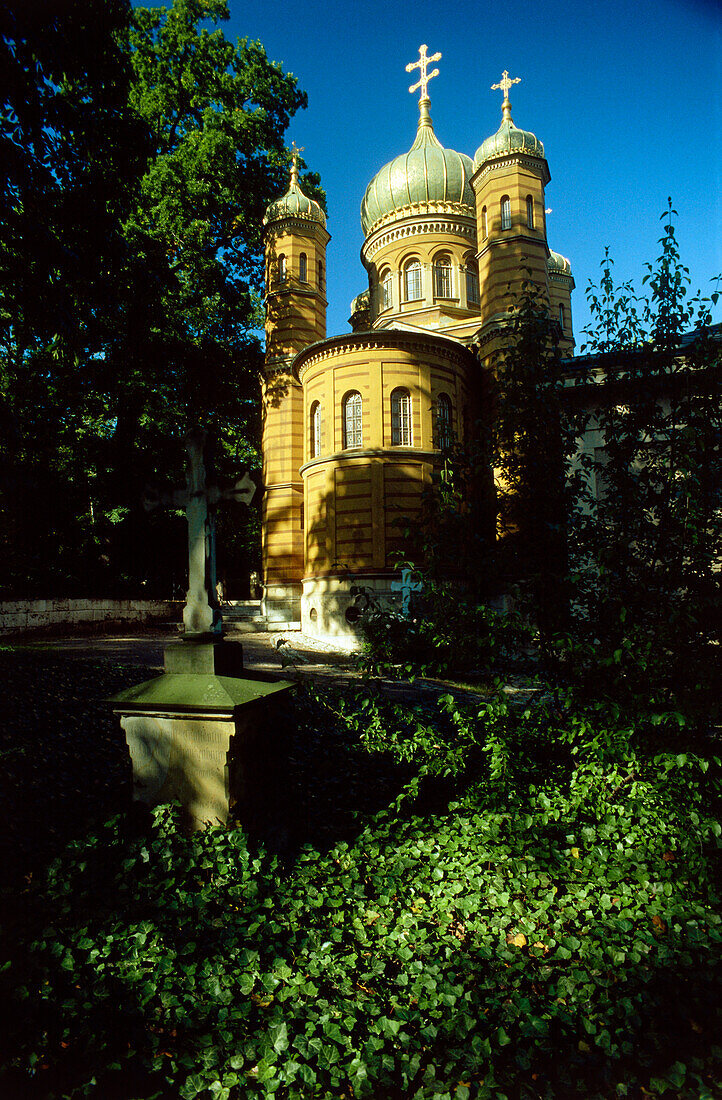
(19, 615)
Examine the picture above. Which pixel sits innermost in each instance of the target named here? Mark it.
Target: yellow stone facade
(354, 425)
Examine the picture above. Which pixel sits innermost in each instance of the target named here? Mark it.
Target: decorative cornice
(560, 276)
(407, 453)
(282, 365)
(506, 237)
(289, 221)
(504, 160)
(376, 240)
(411, 342)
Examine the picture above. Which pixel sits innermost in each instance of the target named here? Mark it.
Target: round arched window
(442, 277)
(401, 430)
(412, 280)
(387, 289)
(444, 433)
(472, 282)
(315, 429)
(352, 420)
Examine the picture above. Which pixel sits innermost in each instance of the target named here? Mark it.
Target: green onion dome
(508, 139)
(361, 301)
(558, 265)
(427, 178)
(294, 204)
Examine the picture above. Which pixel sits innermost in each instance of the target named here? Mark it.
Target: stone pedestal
(201, 734)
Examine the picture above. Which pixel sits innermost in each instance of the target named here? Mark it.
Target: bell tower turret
(295, 253)
(510, 174)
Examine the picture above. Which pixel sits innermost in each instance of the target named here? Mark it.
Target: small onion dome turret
(361, 302)
(558, 265)
(294, 204)
(360, 318)
(508, 139)
(426, 178)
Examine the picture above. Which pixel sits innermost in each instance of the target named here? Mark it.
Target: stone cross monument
(200, 733)
(201, 614)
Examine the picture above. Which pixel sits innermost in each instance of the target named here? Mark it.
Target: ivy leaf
(279, 1037)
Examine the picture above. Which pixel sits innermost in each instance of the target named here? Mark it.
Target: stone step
(244, 626)
(257, 625)
(241, 610)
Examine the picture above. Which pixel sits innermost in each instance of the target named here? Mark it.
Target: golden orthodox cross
(296, 149)
(505, 83)
(425, 76)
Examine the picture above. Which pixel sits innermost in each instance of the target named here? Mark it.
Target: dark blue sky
(625, 96)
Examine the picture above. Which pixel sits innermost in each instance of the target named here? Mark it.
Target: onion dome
(558, 265)
(508, 139)
(360, 318)
(427, 178)
(294, 204)
(361, 302)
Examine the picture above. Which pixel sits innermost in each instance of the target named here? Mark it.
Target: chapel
(355, 424)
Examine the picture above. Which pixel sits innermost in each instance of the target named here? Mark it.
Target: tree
(71, 151)
(533, 440)
(163, 301)
(647, 546)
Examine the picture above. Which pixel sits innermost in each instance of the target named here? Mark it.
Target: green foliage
(534, 439)
(142, 148)
(646, 547)
(536, 914)
(448, 634)
(611, 554)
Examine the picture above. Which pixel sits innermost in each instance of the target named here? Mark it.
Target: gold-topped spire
(295, 150)
(425, 76)
(505, 84)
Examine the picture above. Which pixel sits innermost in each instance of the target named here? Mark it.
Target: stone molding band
(384, 340)
(465, 228)
(504, 160)
(407, 453)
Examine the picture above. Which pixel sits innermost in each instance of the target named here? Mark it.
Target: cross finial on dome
(425, 76)
(295, 150)
(505, 84)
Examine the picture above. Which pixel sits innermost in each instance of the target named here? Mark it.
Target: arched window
(315, 429)
(472, 283)
(303, 267)
(387, 289)
(320, 275)
(352, 425)
(561, 314)
(530, 211)
(506, 212)
(444, 434)
(485, 221)
(401, 432)
(281, 268)
(442, 277)
(412, 280)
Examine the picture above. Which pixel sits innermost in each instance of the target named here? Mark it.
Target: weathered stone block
(200, 740)
(220, 658)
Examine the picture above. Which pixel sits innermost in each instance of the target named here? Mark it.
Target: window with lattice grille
(352, 421)
(315, 429)
(444, 434)
(401, 433)
(412, 281)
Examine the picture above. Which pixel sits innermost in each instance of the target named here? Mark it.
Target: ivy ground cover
(448, 903)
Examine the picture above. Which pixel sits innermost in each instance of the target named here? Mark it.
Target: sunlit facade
(356, 424)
